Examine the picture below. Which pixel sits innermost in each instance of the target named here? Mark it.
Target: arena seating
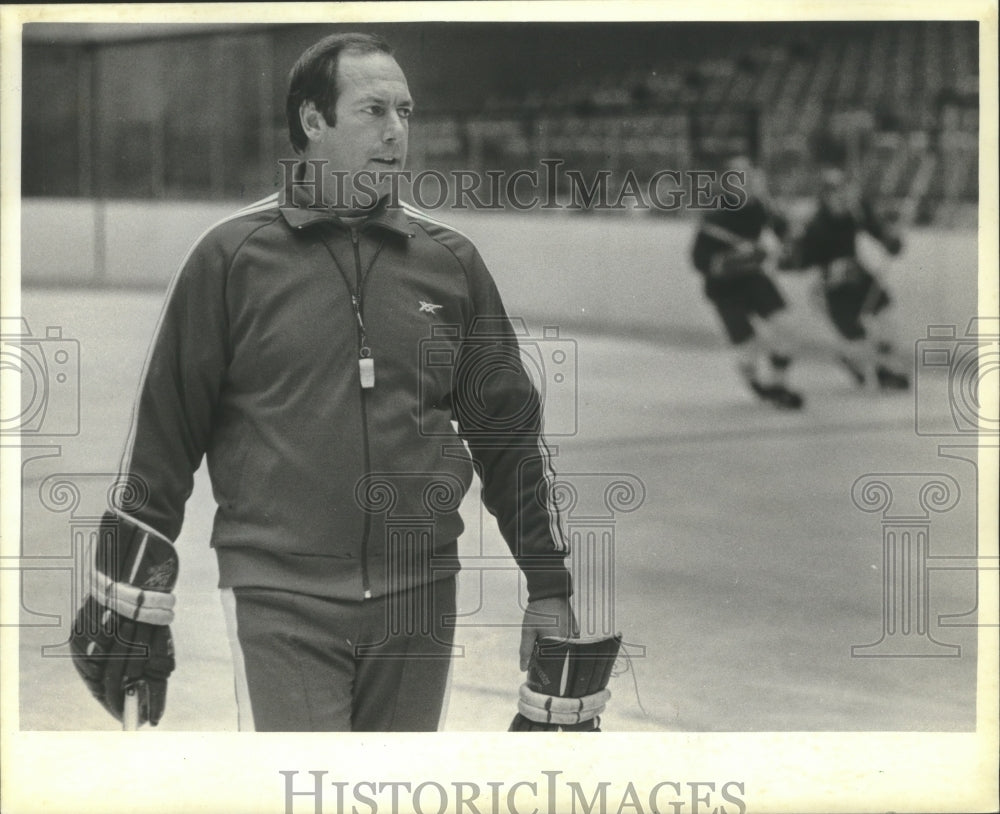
(901, 101)
(897, 101)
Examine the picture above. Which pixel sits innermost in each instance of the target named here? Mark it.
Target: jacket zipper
(364, 352)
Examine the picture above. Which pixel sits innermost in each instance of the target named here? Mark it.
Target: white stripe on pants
(243, 706)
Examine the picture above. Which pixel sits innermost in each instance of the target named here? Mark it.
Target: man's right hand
(121, 636)
(113, 653)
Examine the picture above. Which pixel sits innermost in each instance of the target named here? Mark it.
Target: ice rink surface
(744, 572)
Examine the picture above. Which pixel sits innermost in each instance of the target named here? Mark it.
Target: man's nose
(394, 128)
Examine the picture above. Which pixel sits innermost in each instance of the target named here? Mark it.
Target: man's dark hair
(313, 78)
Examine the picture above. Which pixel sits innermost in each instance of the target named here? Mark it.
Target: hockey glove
(738, 262)
(121, 637)
(567, 686)
(845, 271)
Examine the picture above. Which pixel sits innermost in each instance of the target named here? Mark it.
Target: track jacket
(325, 486)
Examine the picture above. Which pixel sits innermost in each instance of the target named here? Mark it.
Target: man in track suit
(320, 347)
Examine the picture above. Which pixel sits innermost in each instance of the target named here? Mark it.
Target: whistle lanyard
(366, 361)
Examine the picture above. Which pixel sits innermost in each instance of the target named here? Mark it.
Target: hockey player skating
(730, 253)
(855, 299)
(289, 354)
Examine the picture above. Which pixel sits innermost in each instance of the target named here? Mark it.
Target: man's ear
(313, 121)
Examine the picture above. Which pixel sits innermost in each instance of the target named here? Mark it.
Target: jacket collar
(300, 211)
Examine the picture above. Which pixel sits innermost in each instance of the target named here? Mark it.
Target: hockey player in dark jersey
(856, 300)
(730, 253)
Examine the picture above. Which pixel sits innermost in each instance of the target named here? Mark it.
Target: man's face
(753, 177)
(836, 191)
(372, 129)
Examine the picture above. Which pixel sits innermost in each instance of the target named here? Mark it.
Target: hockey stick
(130, 712)
(723, 235)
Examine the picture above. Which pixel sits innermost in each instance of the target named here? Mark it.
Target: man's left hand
(551, 616)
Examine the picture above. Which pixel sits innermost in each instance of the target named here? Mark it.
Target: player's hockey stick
(130, 713)
(723, 235)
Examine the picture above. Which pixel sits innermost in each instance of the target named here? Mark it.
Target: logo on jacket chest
(428, 307)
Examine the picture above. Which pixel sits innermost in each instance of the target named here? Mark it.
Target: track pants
(307, 663)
